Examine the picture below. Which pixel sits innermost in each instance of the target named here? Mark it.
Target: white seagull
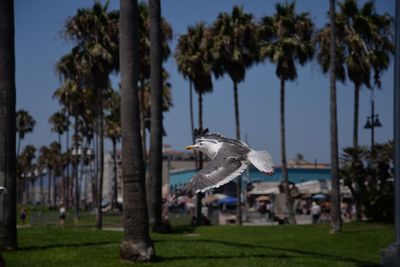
(229, 159)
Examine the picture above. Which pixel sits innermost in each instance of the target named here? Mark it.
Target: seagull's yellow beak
(190, 147)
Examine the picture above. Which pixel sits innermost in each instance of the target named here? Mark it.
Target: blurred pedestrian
(22, 215)
(315, 212)
(62, 214)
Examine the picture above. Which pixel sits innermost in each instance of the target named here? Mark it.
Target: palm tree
(363, 47)
(144, 61)
(26, 171)
(25, 124)
(336, 218)
(60, 124)
(8, 230)
(194, 59)
(235, 50)
(290, 43)
(95, 31)
(42, 165)
(156, 134)
(136, 245)
(113, 132)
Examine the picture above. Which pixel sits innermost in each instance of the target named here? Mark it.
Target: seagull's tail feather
(262, 161)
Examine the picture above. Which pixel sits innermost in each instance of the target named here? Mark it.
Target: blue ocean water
(295, 175)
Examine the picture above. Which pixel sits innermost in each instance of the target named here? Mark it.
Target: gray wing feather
(219, 171)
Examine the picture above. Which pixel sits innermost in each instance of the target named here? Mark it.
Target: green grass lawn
(310, 245)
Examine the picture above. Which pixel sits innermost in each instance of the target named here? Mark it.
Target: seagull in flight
(229, 159)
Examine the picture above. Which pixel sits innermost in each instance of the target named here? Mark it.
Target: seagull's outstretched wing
(219, 171)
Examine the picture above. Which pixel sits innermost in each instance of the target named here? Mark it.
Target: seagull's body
(229, 159)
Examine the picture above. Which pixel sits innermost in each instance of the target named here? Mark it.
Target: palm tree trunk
(96, 170)
(356, 112)
(63, 182)
(68, 182)
(99, 217)
(355, 144)
(336, 220)
(136, 245)
(49, 188)
(75, 167)
(192, 120)
(19, 145)
(199, 196)
(8, 230)
(41, 190)
(239, 179)
(156, 94)
(143, 119)
(54, 191)
(114, 201)
(289, 199)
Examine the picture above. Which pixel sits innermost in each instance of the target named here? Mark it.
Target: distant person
(22, 215)
(62, 214)
(315, 212)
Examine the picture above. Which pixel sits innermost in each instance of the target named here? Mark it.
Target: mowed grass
(308, 245)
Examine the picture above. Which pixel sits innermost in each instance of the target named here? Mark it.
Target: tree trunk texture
(143, 119)
(336, 220)
(99, 215)
(289, 199)
(156, 83)
(199, 196)
(115, 181)
(136, 244)
(192, 121)
(239, 179)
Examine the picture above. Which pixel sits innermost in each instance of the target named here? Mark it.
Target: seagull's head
(208, 146)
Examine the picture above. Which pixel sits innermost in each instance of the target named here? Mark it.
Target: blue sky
(39, 46)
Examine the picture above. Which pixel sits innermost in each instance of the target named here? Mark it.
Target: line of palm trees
(235, 42)
(106, 42)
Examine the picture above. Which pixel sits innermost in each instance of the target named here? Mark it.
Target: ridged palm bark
(336, 218)
(8, 229)
(136, 244)
(156, 96)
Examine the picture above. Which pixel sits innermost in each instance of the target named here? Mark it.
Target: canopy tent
(228, 200)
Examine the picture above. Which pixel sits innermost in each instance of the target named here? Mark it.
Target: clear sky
(39, 46)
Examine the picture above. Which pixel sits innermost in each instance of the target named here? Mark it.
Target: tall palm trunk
(289, 199)
(49, 187)
(94, 177)
(63, 182)
(99, 217)
(18, 145)
(156, 83)
(114, 201)
(239, 179)
(143, 119)
(75, 170)
(336, 221)
(355, 144)
(192, 120)
(199, 196)
(136, 244)
(68, 179)
(41, 190)
(356, 111)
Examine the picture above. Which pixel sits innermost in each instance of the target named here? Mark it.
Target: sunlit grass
(309, 245)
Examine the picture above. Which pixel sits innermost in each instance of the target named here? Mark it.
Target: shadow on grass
(219, 257)
(323, 256)
(66, 245)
